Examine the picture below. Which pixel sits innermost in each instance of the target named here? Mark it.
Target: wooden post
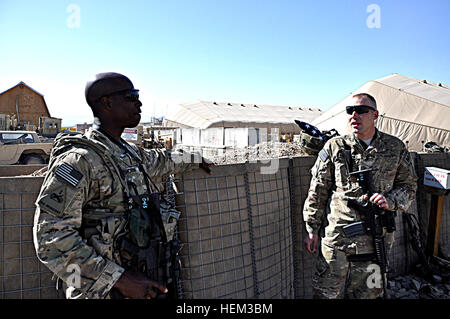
(434, 225)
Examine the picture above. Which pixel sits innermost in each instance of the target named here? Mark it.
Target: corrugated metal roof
(205, 114)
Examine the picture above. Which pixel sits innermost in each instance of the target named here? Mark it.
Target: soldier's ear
(106, 102)
(375, 114)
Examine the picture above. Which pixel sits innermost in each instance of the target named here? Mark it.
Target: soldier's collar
(375, 137)
(122, 144)
(103, 137)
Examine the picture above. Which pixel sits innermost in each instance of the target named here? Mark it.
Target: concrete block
(212, 136)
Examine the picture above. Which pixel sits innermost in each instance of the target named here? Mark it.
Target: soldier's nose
(354, 114)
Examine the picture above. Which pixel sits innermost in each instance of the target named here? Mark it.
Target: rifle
(375, 219)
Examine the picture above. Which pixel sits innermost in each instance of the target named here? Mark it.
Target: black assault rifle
(375, 219)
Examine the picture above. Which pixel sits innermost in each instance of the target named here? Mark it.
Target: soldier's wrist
(391, 203)
(311, 231)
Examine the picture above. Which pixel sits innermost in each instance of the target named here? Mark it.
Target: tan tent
(413, 110)
(206, 114)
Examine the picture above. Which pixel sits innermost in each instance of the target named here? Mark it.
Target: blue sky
(305, 53)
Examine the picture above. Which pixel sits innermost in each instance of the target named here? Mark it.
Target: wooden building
(25, 103)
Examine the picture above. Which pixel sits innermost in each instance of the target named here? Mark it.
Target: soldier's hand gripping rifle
(375, 219)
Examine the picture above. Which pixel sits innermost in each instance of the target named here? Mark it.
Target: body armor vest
(142, 244)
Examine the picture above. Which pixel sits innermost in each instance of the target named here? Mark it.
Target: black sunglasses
(360, 109)
(129, 94)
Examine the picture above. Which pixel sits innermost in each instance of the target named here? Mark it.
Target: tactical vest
(143, 245)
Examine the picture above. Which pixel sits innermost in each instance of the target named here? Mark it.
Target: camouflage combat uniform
(393, 176)
(80, 184)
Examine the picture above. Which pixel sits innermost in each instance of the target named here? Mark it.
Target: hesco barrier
(242, 232)
(21, 273)
(237, 231)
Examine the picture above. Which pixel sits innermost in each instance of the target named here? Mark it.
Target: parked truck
(23, 147)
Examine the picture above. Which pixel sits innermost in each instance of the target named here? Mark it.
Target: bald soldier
(340, 273)
(97, 224)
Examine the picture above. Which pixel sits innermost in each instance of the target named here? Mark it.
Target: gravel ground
(412, 286)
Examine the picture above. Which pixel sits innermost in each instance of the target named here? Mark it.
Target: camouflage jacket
(393, 175)
(79, 182)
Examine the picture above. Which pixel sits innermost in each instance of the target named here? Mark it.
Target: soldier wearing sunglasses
(340, 273)
(97, 224)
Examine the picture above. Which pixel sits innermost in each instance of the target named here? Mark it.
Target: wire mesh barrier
(242, 232)
(237, 233)
(22, 276)
(305, 262)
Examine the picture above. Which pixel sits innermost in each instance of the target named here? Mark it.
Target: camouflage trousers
(337, 278)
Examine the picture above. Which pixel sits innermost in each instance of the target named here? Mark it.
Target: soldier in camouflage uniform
(393, 182)
(91, 198)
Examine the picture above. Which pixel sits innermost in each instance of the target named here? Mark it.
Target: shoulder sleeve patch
(69, 174)
(55, 202)
(323, 155)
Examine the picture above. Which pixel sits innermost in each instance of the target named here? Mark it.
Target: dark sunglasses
(360, 109)
(129, 95)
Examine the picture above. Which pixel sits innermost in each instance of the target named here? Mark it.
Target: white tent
(413, 110)
(206, 114)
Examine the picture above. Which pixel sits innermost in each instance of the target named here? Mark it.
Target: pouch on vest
(145, 220)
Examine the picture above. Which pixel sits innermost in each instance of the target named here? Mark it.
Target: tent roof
(206, 114)
(436, 92)
(407, 101)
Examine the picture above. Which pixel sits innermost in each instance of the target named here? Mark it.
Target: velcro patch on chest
(69, 174)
